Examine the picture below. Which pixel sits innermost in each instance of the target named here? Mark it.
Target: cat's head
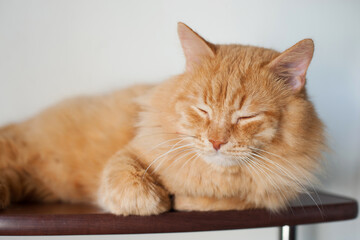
(235, 99)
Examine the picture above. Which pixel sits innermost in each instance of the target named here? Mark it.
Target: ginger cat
(234, 131)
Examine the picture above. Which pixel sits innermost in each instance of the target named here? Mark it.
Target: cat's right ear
(293, 63)
(194, 46)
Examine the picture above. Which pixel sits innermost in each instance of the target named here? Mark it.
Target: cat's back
(87, 119)
(69, 143)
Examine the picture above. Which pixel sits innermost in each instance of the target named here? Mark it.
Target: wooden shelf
(72, 219)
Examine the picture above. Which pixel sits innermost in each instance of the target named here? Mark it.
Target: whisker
(166, 133)
(281, 191)
(162, 155)
(162, 143)
(291, 176)
(286, 160)
(248, 165)
(266, 174)
(188, 150)
(180, 157)
(196, 156)
(282, 171)
(251, 162)
(170, 140)
(292, 166)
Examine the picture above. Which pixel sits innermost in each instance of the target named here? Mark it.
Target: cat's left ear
(195, 47)
(293, 63)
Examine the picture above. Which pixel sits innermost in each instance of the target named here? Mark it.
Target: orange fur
(128, 151)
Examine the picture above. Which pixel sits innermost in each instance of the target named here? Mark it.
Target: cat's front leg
(126, 189)
(197, 203)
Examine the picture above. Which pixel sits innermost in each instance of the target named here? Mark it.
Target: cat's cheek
(181, 124)
(244, 134)
(266, 135)
(181, 117)
(190, 126)
(184, 128)
(265, 132)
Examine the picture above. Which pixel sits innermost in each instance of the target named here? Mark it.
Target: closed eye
(202, 110)
(246, 117)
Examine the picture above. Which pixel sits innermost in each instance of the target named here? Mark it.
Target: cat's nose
(217, 144)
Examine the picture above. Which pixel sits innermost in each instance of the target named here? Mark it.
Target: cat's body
(229, 133)
(65, 147)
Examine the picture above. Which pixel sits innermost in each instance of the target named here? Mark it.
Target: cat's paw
(4, 196)
(135, 196)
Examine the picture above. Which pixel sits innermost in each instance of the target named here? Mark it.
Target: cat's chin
(222, 160)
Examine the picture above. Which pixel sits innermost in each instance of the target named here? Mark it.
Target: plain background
(50, 50)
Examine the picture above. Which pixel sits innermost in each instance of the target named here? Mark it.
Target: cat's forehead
(225, 91)
(234, 65)
(242, 58)
(234, 77)
(222, 96)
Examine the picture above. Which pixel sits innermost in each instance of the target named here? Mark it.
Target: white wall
(53, 49)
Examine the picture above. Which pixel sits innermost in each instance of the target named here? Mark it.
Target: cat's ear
(293, 63)
(194, 46)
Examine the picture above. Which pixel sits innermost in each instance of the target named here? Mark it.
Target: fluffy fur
(236, 130)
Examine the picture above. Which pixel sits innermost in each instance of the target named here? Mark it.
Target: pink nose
(217, 144)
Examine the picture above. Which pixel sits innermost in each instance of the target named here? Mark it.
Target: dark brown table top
(71, 219)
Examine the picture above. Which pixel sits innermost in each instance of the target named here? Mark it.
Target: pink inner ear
(297, 83)
(298, 72)
(293, 63)
(301, 67)
(193, 49)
